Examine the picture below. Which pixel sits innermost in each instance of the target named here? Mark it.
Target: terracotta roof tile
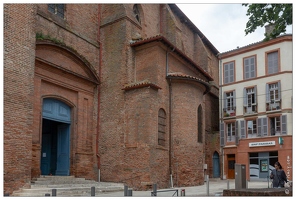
(161, 38)
(141, 84)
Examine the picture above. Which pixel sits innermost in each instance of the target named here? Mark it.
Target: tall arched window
(199, 124)
(161, 127)
(137, 12)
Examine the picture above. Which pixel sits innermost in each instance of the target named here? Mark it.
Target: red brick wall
(128, 131)
(77, 31)
(79, 94)
(127, 122)
(19, 56)
(188, 154)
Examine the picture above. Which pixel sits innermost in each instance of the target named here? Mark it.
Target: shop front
(259, 156)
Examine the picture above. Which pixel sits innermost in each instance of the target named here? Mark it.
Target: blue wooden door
(59, 114)
(63, 150)
(216, 165)
(46, 154)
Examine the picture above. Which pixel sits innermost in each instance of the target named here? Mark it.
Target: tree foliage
(280, 15)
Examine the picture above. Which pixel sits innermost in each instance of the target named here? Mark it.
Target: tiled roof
(174, 49)
(141, 84)
(255, 45)
(178, 75)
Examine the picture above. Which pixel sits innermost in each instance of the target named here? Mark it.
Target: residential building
(256, 107)
(112, 92)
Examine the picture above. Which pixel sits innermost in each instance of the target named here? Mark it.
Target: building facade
(116, 92)
(256, 108)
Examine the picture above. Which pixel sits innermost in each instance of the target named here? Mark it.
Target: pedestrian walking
(278, 176)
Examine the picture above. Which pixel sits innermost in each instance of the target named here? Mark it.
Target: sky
(223, 24)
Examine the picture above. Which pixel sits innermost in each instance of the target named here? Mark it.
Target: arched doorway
(216, 165)
(55, 152)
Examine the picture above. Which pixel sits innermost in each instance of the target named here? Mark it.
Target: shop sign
(260, 144)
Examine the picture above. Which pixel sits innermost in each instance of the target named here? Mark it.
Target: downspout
(221, 109)
(170, 118)
(99, 96)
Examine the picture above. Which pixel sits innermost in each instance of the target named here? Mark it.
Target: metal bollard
(227, 184)
(208, 186)
(154, 190)
(130, 192)
(125, 190)
(267, 181)
(54, 192)
(47, 195)
(93, 191)
(183, 192)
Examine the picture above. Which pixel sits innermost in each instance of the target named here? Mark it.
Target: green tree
(280, 15)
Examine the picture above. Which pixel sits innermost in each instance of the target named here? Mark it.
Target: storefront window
(261, 163)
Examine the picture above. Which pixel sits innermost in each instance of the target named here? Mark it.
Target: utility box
(240, 176)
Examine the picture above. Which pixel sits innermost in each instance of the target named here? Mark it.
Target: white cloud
(223, 24)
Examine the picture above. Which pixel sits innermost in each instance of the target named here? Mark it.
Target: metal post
(125, 190)
(227, 184)
(208, 185)
(154, 189)
(92, 191)
(54, 192)
(130, 192)
(267, 181)
(47, 195)
(183, 192)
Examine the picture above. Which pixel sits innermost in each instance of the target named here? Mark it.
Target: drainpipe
(221, 110)
(170, 118)
(99, 96)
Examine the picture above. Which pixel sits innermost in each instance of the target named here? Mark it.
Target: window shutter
(279, 90)
(272, 62)
(234, 100)
(225, 101)
(259, 127)
(222, 141)
(264, 126)
(267, 93)
(231, 72)
(245, 97)
(252, 67)
(226, 73)
(242, 126)
(247, 68)
(284, 124)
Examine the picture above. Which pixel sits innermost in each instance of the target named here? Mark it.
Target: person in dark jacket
(278, 176)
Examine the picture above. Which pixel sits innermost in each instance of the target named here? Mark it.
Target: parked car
(254, 170)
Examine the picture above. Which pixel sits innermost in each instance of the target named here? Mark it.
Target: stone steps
(67, 186)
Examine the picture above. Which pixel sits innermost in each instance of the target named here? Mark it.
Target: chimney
(269, 28)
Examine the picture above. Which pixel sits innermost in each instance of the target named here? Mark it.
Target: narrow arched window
(199, 124)
(137, 12)
(57, 9)
(161, 127)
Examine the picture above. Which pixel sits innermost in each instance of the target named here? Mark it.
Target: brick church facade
(117, 92)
